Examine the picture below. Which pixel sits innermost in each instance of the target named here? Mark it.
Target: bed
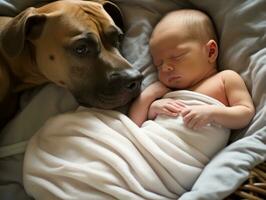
(242, 32)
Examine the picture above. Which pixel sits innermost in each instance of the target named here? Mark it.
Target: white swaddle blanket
(101, 154)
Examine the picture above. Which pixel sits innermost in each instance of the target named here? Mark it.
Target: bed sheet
(241, 27)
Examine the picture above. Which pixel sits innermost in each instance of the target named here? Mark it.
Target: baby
(184, 50)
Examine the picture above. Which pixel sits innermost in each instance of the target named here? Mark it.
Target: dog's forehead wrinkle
(82, 23)
(90, 14)
(94, 10)
(98, 15)
(61, 28)
(83, 34)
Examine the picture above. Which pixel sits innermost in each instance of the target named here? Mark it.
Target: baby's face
(180, 60)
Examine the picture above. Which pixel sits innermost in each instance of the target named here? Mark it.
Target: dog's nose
(134, 84)
(128, 79)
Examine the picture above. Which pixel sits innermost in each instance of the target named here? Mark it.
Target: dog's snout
(129, 79)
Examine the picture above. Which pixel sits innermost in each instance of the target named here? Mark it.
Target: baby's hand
(168, 107)
(195, 117)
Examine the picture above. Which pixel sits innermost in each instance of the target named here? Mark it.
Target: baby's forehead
(190, 24)
(171, 26)
(170, 21)
(169, 36)
(166, 45)
(164, 36)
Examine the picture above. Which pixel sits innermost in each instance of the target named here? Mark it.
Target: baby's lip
(173, 78)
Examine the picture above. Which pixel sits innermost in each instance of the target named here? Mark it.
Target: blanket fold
(102, 154)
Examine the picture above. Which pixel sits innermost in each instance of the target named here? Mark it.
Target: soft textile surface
(110, 156)
(241, 27)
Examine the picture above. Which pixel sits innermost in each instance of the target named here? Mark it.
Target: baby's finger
(187, 118)
(185, 111)
(173, 108)
(168, 112)
(180, 104)
(192, 123)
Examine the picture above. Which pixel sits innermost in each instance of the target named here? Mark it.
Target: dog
(72, 43)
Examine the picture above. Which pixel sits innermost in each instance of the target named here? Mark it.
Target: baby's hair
(199, 24)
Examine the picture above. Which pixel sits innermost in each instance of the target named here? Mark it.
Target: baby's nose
(167, 68)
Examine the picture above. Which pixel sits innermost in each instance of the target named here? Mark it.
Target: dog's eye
(82, 50)
(86, 47)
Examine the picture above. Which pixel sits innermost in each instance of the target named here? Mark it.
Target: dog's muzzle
(118, 88)
(128, 80)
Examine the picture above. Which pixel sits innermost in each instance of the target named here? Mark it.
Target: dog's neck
(24, 70)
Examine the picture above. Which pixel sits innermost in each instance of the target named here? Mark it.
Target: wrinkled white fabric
(101, 154)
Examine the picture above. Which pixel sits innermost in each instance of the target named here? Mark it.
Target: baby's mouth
(174, 79)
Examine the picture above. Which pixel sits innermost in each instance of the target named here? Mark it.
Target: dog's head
(75, 44)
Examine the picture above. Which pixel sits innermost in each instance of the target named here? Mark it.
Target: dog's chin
(105, 100)
(105, 103)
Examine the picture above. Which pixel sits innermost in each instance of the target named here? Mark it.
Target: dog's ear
(26, 25)
(115, 12)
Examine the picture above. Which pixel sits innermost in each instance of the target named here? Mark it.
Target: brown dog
(71, 43)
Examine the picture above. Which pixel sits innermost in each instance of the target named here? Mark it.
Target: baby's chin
(176, 85)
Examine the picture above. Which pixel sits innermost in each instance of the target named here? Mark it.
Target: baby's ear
(212, 50)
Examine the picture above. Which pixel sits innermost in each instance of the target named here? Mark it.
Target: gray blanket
(241, 28)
